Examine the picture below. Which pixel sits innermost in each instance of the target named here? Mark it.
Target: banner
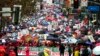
(32, 51)
(36, 50)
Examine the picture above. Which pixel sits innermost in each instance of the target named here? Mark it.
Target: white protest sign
(84, 3)
(91, 38)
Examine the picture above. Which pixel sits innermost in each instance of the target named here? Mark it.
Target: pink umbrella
(62, 17)
(2, 50)
(98, 44)
(50, 18)
(98, 32)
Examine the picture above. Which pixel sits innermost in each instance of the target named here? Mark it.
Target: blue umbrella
(44, 22)
(53, 38)
(88, 43)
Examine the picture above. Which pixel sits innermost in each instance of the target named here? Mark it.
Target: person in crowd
(15, 50)
(27, 51)
(2, 50)
(90, 51)
(46, 52)
(12, 53)
(85, 51)
(76, 52)
(81, 49)
(69, 50)
(41, 54)
(62, 49)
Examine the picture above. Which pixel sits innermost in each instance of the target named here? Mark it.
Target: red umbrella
(12, 53)
(2, 50)
(50, 18)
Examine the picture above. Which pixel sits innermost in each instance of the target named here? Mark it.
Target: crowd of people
(52, 27)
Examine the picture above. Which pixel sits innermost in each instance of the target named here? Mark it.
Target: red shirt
(12, 53)
(27, 51)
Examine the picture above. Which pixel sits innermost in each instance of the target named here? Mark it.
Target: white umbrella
(70, 40)
(25, 31)
(96, 50)
(3, 41)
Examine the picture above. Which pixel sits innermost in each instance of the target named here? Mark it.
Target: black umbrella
(53, 38)
(54, 35)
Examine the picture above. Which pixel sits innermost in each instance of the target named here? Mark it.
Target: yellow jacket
(76, 53)
(45, 53)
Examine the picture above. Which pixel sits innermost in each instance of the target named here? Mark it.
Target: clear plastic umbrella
(96, 50)
(71, 40)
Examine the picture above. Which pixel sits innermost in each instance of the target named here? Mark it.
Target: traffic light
(76, 4)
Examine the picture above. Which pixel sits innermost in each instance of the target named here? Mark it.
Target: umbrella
(44, 23)
(98, 32)
(88, 43)
(71, 40)
(41, 32)
(49, 18)
(80, 41)
(96, 50)
(98, 44)
(25, 31)
(53, 37)
(2, 49)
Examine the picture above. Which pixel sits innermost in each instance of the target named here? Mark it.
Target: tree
(28, 6)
